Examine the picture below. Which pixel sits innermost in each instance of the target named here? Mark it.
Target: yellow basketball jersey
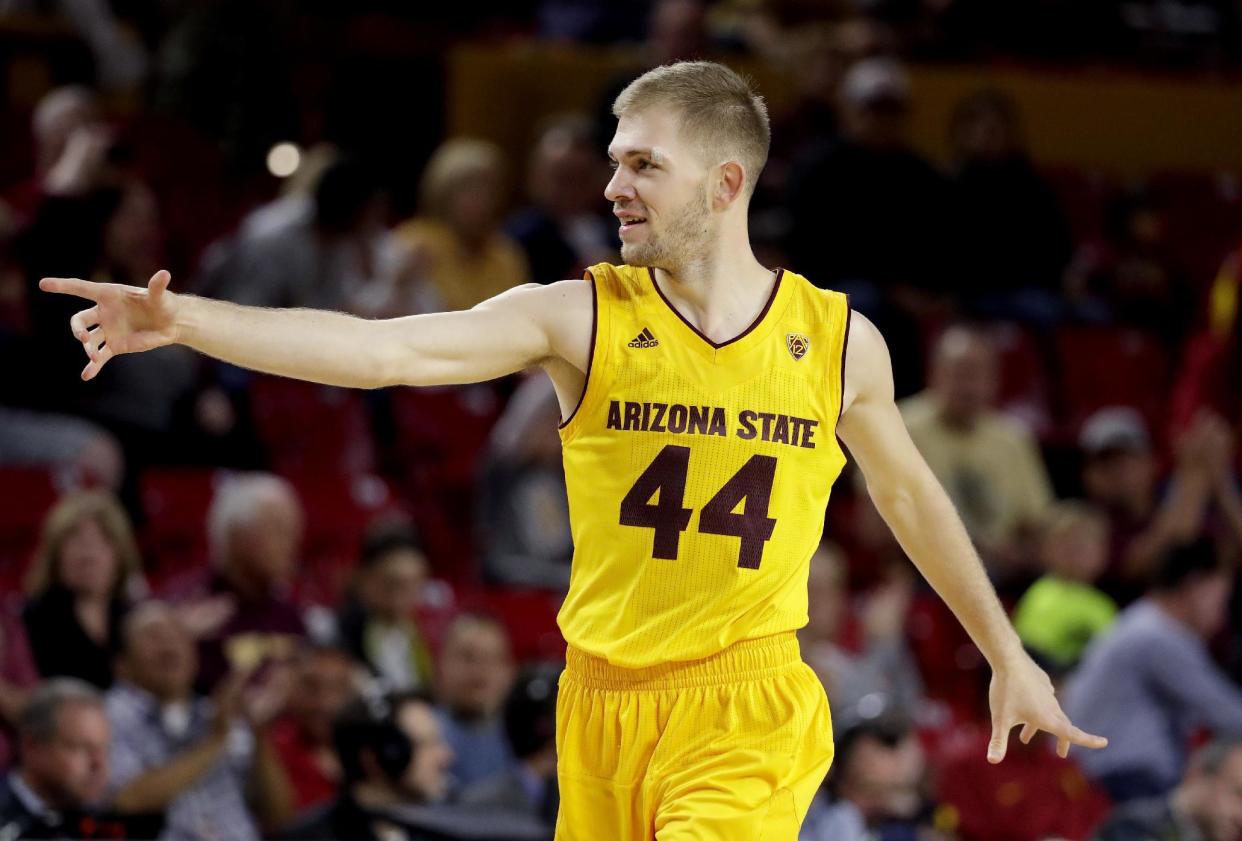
(697, 472)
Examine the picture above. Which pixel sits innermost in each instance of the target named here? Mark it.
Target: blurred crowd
(233, 606)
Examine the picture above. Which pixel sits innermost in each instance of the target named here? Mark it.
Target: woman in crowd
(79, 589)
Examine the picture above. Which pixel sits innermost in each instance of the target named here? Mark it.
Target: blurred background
(224, 596)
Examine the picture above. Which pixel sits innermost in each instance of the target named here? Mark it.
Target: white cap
(874, 79)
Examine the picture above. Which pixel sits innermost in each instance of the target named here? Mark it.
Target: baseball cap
(876, 80)
(1112, 429)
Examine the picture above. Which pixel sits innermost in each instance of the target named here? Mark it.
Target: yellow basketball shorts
(728, 748)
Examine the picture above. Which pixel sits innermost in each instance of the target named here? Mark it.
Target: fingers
(98, 359)
(1000, 740)
(82, 322)
(1028, 733)
(1085, 739)
(159, 283)
(71, 286)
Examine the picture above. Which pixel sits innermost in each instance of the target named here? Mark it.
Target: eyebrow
(653, 154)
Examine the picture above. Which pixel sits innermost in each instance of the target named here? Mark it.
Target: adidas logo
(644, 339)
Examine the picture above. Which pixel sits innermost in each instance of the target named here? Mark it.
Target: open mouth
(631, 224)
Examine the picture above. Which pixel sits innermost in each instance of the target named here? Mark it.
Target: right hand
(125, 319)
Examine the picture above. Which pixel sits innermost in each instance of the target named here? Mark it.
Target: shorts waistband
(753, 659)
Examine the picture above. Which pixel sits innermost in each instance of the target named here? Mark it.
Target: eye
(644, 164)
(613, 165)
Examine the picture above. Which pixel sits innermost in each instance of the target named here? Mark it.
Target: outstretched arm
(519, 328)
(919, 512)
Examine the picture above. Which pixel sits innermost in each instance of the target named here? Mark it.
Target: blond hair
(717, 109)
(453, 163)
(64, 518)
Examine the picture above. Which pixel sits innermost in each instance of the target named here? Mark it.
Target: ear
(730, 182)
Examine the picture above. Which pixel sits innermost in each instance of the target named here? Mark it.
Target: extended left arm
(919, 512)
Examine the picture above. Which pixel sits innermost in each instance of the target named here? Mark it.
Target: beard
(682, 242)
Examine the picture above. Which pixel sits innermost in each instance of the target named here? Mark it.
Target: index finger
(69, 286)
(1072, 735)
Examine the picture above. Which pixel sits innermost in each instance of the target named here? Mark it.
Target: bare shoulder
(564, 311)
(868, 368)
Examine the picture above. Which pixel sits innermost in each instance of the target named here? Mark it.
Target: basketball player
(704, 397)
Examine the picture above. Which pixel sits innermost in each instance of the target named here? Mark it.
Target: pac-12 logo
(798, 344)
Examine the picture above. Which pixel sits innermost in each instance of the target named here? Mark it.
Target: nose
(619, 186)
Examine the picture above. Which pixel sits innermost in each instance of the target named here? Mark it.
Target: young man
(703, 395)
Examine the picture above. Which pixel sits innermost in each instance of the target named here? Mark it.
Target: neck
(375, 795)
(1172, 607)
(722, 291)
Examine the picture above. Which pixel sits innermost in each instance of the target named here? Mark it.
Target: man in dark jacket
(63, 773)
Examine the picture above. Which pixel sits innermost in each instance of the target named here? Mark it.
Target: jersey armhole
(586, 380)
(845, 344)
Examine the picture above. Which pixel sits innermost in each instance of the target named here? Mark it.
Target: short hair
(1184, 563)
(455, 162)
(889, 731)
(384, 538)
(40, 716)
(474, 616)
(104, 509)
(235, 502)
(717, 108)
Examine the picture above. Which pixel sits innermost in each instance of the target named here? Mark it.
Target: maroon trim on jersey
(845, 343)
(591, 355)
(758, 319)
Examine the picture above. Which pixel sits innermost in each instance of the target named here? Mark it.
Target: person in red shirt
(325, 685)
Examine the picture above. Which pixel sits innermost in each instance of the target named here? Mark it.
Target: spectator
(1020, 241)
(530, 787)
(391, 753)
(1149, 683)
(1205, 806)
(818, 56)
(177, 752)
(63, 771)
(255, 533)
(324, 684)
(68, 445)
(85, 571)
(476, 673)
(1034, 795)
(562, 230)
(318, 249)
(1062, 611)
(1131, 276)
(456, 238)
(867, 214)
(875, 788)
(882, 676)
(1119, 475)
(378, 624)
(524, 509)
(106, 226)
(65, 117)
(990, 466)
